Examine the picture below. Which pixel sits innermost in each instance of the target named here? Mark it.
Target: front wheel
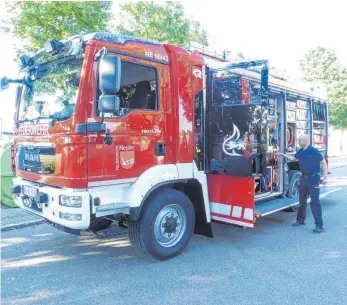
(165, 226)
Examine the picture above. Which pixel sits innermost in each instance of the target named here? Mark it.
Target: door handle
(160, 149)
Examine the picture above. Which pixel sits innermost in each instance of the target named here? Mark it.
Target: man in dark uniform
(310, 160)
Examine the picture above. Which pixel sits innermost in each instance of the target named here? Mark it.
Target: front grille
(36, 159)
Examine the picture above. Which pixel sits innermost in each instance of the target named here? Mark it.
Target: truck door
(236, 120)
(134, 138)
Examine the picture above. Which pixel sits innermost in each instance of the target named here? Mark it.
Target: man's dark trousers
(310, 186)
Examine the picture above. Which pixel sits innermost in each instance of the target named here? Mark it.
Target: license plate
(29, 191)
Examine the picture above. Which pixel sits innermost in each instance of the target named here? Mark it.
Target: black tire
(100, 224)
(294, 182)
(142, 232)
(293, 188)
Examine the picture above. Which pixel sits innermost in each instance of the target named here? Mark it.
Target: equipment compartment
(319, 133)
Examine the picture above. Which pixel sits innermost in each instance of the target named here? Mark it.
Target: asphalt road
(337, 162)
(274, 263)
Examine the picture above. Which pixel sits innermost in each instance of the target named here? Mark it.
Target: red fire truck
(158, 138)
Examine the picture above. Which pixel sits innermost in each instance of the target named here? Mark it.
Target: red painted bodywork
(232, 191)
(85, 158)
(104, 160)
(181, 83)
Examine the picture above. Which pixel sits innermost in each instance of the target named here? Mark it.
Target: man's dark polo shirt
(309, 160)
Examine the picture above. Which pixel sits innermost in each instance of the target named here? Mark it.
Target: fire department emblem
(233, 143)
(127, 158)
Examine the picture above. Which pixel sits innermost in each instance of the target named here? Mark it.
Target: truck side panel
(182, 98)
(232, 199)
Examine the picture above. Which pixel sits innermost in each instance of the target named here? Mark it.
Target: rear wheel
(293, 189)
(165, 226)
(294, 182)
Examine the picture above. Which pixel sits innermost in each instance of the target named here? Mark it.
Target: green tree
(321, 66)
(33, 23)
(197, 34)
(36, 22)
(164, 23)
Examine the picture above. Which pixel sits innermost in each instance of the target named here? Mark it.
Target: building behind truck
(159, 138)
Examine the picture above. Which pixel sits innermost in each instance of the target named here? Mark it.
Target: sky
(281, 31)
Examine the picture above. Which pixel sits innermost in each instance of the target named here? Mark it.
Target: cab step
(113, 231)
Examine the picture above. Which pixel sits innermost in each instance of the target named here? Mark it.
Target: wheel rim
(296, 189)
(170, 225)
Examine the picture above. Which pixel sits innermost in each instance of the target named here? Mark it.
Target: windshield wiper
(57, 118)
(35, 119)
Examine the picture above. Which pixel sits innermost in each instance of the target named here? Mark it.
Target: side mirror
(109, 74)
(4, 83)
(108, 103)
(109, 83)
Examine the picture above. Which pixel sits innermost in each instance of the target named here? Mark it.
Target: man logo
(232, 143)
(127, 158)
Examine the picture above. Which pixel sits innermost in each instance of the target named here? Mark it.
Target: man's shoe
(318, 229)
(298, 223)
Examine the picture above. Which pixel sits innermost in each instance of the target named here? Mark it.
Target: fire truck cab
(159, 138)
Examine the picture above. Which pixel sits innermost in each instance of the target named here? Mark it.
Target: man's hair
(304, 137)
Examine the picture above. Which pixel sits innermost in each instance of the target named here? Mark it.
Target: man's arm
(325, 170)
(288, 157)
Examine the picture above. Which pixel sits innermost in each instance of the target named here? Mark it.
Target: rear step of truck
(268, 207)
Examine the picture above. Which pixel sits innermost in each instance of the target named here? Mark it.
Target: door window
(226, 88)
(138, 89)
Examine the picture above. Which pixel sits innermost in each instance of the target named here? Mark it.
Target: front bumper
(51, 210)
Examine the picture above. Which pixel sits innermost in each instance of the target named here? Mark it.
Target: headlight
(71, 201)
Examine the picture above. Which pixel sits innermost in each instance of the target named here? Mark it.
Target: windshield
(51, 90)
